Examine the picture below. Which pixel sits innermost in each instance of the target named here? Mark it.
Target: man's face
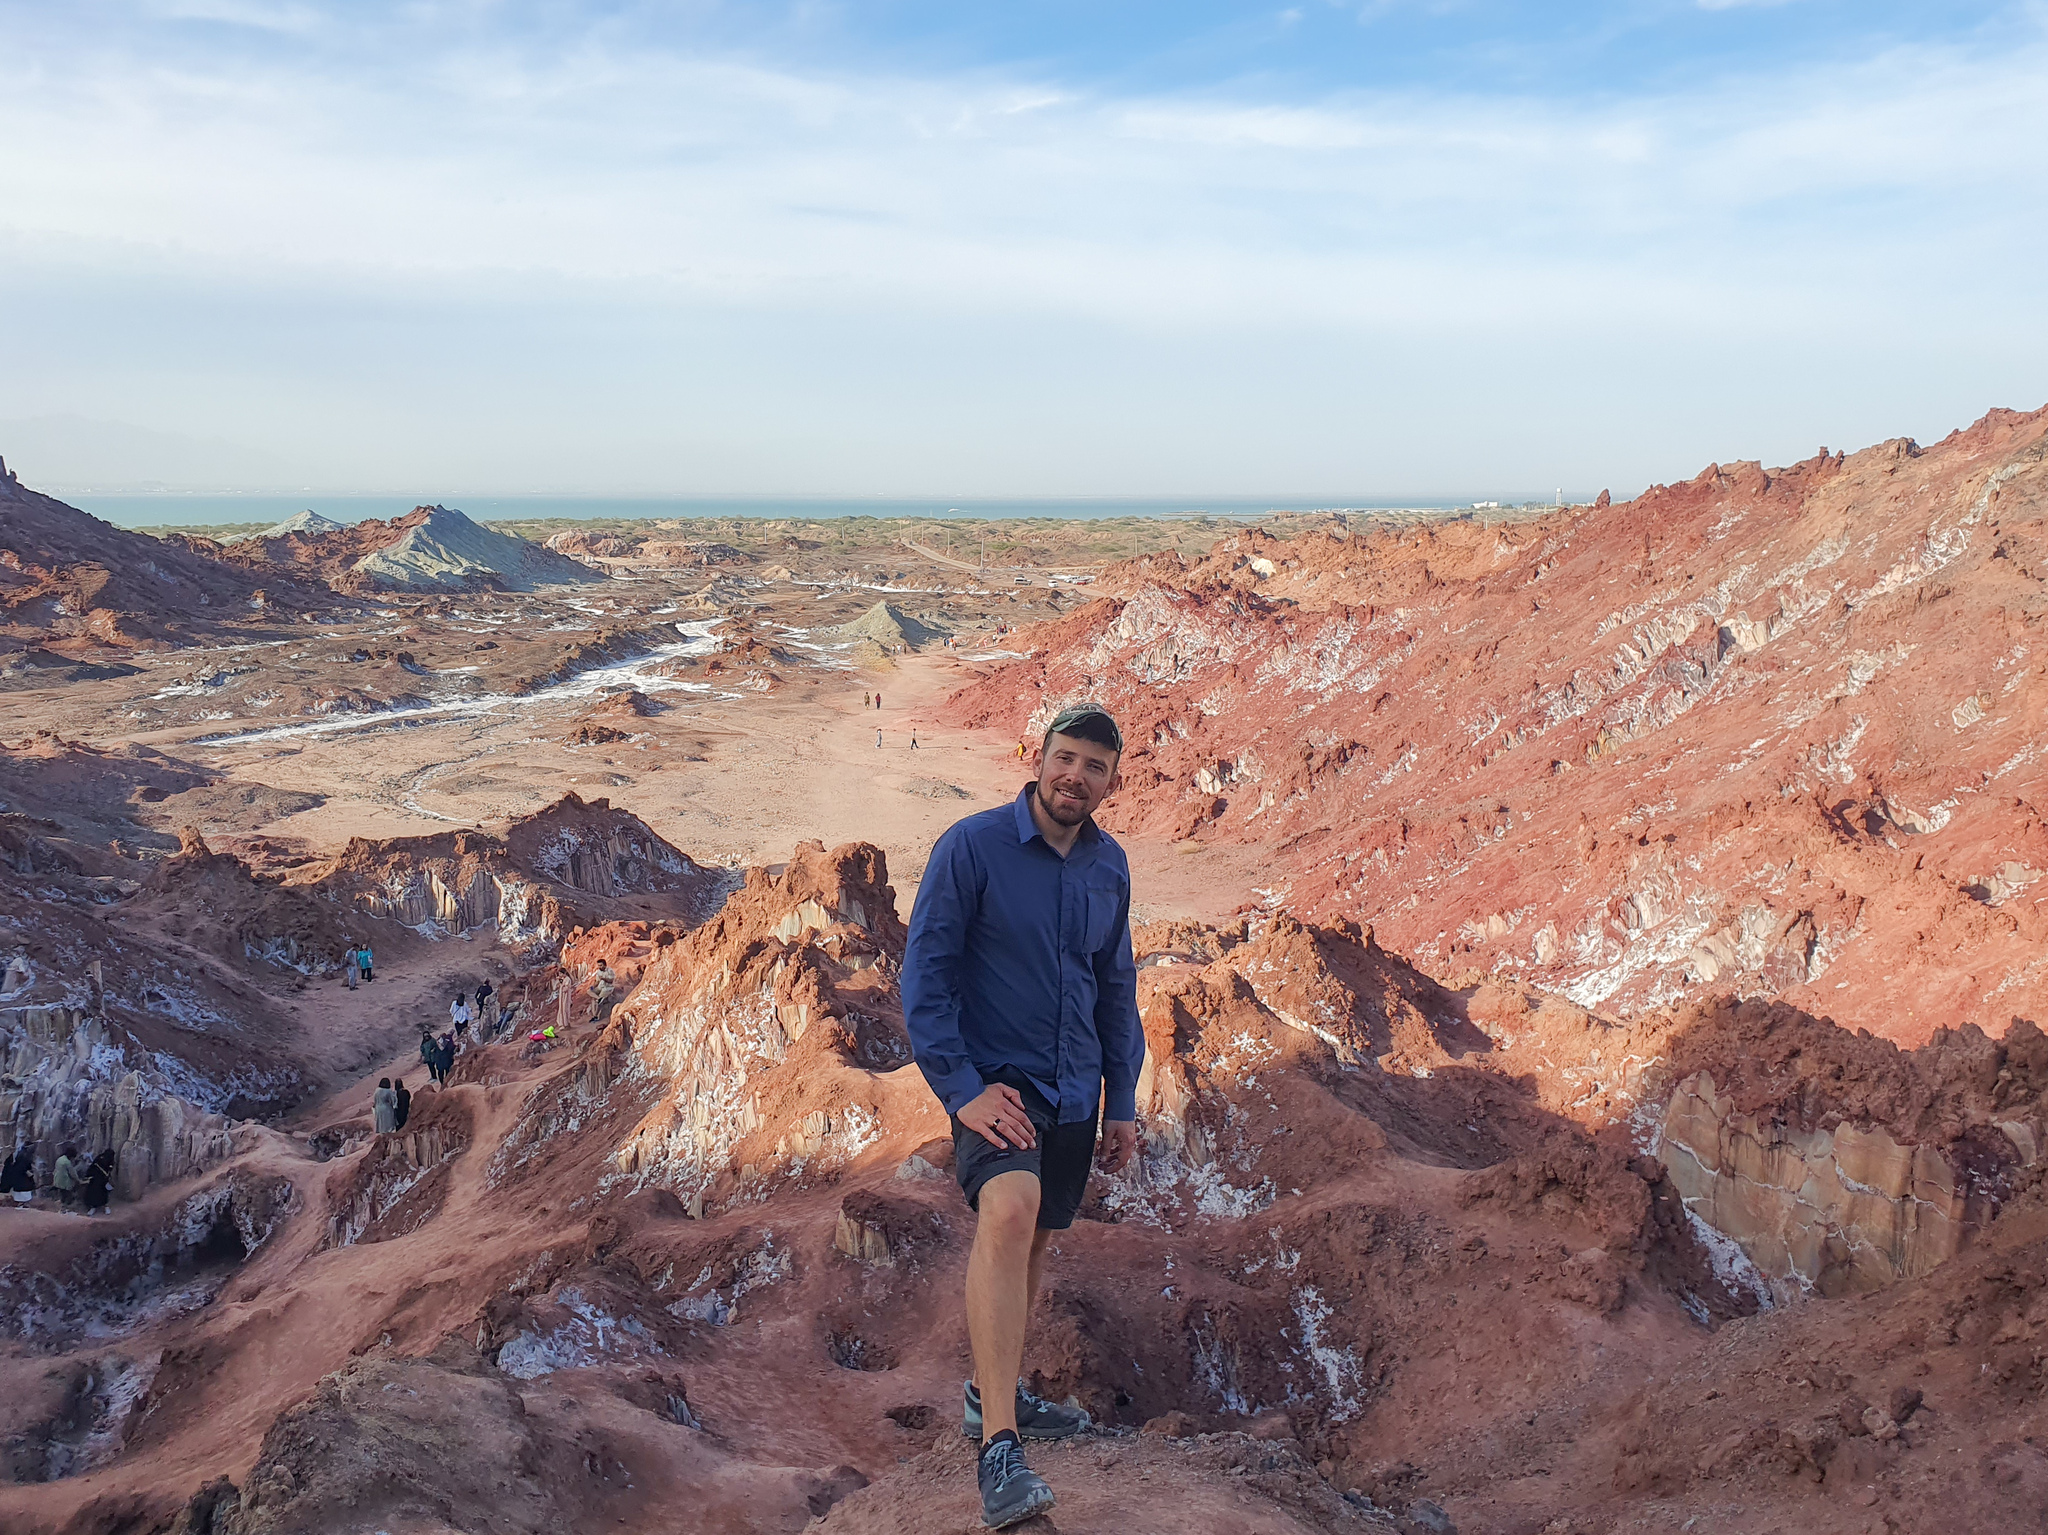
(1074, 776)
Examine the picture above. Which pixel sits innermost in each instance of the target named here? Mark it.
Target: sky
(1359, 250)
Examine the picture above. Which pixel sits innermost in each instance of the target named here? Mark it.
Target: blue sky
(1357, 250)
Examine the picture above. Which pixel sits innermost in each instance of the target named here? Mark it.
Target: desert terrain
(1590, 966)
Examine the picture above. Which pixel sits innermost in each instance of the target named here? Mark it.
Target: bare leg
(1000, 1271)
(1039, 1242)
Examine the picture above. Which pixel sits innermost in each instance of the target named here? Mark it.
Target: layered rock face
(1834, 1212)
(551, 871)
(747, 1053)
(1837, 1163)
(1768, 733)
(66, 1081)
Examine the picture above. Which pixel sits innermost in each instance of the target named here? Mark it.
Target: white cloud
(444, 168)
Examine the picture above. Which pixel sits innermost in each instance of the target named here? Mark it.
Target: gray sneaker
(1011, 1491)
(1036, 1417)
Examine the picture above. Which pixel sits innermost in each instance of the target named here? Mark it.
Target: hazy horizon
(255, 509)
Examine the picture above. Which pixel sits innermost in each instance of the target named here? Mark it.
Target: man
(1021, 1001)
(348, 965)
(602, 989)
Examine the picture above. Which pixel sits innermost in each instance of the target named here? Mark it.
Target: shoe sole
(1039, 1503)
(1024, 1433)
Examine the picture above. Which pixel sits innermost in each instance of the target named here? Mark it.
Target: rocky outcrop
(1763, 733)
(1836, 1163)
(756, 1037)
(70, 580)
(551, 871)
(1829, 1212)
(400, 1179)
(883, 1231)
(67, 1081)
(107, 1282)
(890, 627)
(307, 524)
(436, 547)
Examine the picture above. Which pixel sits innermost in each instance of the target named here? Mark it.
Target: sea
(204, 509)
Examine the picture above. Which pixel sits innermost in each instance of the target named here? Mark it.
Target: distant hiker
(427, 1049)
(458, 1014)
(363, 959)
(602, 987)
(384, 1107)
(403, 1107)
(878, 740)
(18, 1175)
(913, 743)
(444, 1058)
(878, 700)
(863, 700)
(348, 965)
(1020, 999)
(65, 1177)
(98, 1182)
(486, 1009)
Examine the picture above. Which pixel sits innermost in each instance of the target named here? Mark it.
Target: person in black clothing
(484, 997)
(444, 1057)
(404, 1101)
(99, 1182)
(428, 1053)
(18, 1176)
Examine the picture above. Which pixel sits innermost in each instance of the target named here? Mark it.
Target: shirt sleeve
(1116, 1018)
(946, 902)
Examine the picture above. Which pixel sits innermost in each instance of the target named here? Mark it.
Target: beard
(1066, 812)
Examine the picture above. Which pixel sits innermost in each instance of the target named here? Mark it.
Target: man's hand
(998, 1117)
(1119, 1145)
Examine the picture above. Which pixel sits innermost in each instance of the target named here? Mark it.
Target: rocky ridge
(1360, 1192)
(1768, 733)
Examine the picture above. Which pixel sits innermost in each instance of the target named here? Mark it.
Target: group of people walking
(470, 1021)
(89, 1187)
(390, 1105)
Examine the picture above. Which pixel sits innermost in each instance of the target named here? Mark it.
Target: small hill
(308, 523)
(438, 547)
(887, 626)
(67, 577)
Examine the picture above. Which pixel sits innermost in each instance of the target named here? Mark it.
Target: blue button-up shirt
(1021, 958)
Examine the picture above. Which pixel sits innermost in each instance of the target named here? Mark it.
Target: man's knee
(1009, 1208)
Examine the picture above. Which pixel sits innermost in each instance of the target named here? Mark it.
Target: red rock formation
(574, 862)
(1388, 1251)
(76, 584)
(1770, 733)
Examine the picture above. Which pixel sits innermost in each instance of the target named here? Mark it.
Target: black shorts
(1060, 1161)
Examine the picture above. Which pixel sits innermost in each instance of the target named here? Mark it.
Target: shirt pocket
(1101, 915)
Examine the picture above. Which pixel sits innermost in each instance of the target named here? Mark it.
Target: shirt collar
(1027, 828)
